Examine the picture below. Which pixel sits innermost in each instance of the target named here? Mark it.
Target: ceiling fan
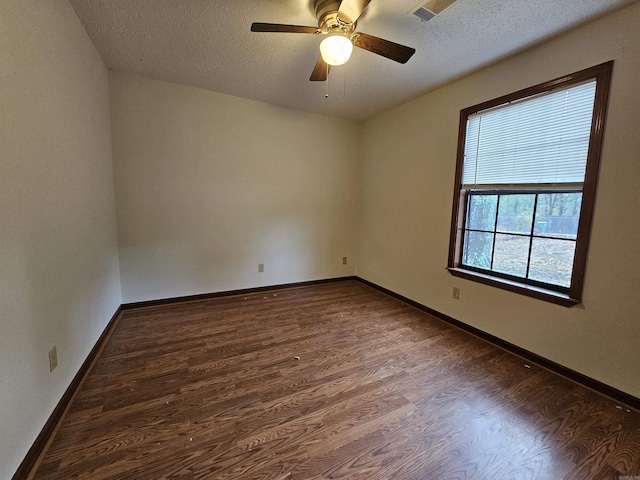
(337, 20)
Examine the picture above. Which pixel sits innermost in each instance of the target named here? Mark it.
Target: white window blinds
(542, 139)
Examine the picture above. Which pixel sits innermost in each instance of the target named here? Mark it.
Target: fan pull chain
(326, 84)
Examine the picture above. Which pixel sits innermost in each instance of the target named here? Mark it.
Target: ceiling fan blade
(320, 71)
(350, 10)
(394, 51)
(277, 27)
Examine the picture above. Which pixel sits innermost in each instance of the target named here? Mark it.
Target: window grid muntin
(500, 193)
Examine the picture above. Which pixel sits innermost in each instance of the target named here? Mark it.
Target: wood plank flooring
(329, 381)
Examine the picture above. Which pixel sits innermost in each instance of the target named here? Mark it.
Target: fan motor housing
(329, 20)
(324, 7)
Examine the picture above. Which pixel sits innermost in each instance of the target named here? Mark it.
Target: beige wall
(209, 185)
(408, 162)
(59, 281)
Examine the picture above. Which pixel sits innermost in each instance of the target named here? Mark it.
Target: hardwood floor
(335, 380)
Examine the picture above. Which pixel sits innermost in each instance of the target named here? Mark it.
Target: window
(525, 186)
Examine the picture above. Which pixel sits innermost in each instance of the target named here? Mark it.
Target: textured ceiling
(207, 44)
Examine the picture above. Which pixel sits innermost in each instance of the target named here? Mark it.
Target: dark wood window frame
(573, 294)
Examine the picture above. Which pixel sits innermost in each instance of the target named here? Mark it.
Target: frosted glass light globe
(336, 49)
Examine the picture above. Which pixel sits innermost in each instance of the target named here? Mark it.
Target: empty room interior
(216, 266)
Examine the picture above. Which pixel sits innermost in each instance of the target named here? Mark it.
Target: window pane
(482, 212)
(552, 261)
(558, 215)
(511, 254)
(515, 213)
(477, 249)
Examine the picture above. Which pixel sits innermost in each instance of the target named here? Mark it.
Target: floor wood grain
(322, 382)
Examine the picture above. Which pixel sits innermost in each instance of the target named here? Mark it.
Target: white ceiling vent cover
(429, 9)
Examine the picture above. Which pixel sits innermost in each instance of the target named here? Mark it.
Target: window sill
(516, 287)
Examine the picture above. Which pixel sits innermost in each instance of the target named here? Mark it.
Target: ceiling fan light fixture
(336, 49)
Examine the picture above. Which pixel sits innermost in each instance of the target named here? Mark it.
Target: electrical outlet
(53, 358)
(344, 260)
(456, 293)
(260, 267)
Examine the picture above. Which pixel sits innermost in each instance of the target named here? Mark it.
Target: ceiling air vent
(427, 10)
(424, 14)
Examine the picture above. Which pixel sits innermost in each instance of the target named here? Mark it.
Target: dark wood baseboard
(577, 377)
(31, 459)
(228, 293)
(40, 443)
(326, 381)
(47, 431)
